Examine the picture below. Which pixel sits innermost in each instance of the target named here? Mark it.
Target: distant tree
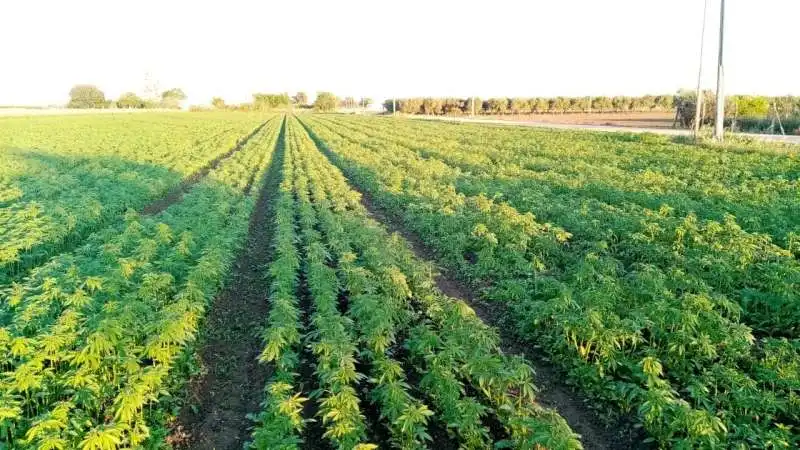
(647, 102)
(130, 100)
(410, 106)
(498, 105)
(172, 98)
(365, 102)
(621, 103)
(540, 105)
(325, 101)
(86, 96)
(452, 106)
(301, 99)
(580, 104)
(432, 106)
(519, 105)
(478, 105)
(751, 106)
(348, 102)
(270, 101)
(218, 103)
(662, 102)
(559, 104)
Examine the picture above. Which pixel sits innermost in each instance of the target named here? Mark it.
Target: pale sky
(378, 49)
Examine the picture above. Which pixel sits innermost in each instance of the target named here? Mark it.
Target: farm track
(787, 139)
(232, 381)
(170, 198)
(552, 392)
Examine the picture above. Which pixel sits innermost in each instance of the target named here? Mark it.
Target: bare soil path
(232, 383)
(617, 126)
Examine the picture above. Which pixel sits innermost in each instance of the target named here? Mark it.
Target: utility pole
(394, 106)
(698, 104)
(473, 106)
(718, 121)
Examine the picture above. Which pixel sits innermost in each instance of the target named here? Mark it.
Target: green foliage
(92, 335)
(389, 294)
(172, 98)
(325, 102)
(218, 103)
(537, 105)
(301, 99)
(262, 102)
(655, 291)
(71, 185)
(130, 100)
(86, 96)
(498, 105)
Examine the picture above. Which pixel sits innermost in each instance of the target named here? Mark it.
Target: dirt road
(605, 128)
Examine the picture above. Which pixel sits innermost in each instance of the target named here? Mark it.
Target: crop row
(394, 361)
(61, 178)
(93, 340)
(637, 318)
(747, 267)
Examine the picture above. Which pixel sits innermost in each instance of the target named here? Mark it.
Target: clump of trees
(218, 103)
(84, 96)
(530, 105)
(742, 112)
(325, 102)
(172, 98)
(130, 100)
(262, 102)
(301, 99)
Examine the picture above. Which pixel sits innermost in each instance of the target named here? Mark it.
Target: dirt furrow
(232, 381)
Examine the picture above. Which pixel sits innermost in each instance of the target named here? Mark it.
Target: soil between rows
(231, 385)
(552, 392)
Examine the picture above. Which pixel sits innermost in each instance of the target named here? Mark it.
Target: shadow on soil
(56, 188)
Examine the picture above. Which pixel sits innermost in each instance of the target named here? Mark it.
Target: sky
(381, 49)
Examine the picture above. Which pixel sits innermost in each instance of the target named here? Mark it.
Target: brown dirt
(552, 392)
(631, 119)
(232, 383)
(176, 193)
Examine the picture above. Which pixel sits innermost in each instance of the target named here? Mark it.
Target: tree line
(324, 102)
(528, 105)
(84, 96)
(741, 105)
